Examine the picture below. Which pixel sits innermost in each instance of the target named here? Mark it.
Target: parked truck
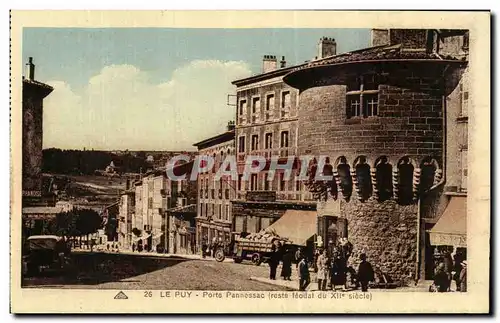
(256, 247)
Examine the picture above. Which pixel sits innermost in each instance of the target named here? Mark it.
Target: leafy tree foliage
(76, 222)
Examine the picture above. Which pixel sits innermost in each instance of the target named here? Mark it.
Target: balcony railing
(280, 195)
(268, 153)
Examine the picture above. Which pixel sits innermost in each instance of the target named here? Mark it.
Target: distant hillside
(87, 162)
(85, 190)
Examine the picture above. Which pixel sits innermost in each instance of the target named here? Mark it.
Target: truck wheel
(219, 255)
(256, 259)
(238, 260)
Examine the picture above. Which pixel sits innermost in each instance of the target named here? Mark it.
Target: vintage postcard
(250, 162)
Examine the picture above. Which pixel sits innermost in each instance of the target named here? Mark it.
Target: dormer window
(362, 97)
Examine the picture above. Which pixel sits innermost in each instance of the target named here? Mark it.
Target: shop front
(449, 234)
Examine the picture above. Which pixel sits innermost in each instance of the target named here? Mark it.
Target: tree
(88, 222)
(64, 224)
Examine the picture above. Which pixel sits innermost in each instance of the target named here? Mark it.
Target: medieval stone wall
(32, 140)
(409, 121)
(386, 232)
(407, 132)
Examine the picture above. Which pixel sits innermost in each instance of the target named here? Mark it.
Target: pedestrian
(457, 268)
(213, 246)
(441, 280)
(335, 269)
(448, 266)
(304, 279)
(286, 269)
(365, 273)
(345, 248)
(463, 277)
(317, 254)
(204, 247)
(322, 274)
(274, 261)
(339, 271)
(298, 256)
(133, 247)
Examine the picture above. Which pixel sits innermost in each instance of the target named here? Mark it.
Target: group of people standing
(448, 269)
(333, 269)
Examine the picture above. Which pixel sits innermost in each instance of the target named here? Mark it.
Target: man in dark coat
(204, 247)
(286, 270)
(274, 260)
(338, 271)
(365, 273)
(441, 280)
(304, 279)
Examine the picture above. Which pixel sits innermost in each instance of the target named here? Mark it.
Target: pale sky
(155, 89)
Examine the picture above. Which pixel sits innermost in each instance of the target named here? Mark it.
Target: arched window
(428, 172)
(344, 172)
(383, 176)
(405, 181)
(364, 178)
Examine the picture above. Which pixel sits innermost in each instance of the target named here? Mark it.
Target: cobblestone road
(103, 271)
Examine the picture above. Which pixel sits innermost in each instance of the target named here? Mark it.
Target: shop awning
(298, 226)
(451, 228)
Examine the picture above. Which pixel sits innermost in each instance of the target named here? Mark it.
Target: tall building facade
(214, 218)
(36, 212)
(126, 211)
(34, 92)
(160, 203)
(381, 115)
(268, 125)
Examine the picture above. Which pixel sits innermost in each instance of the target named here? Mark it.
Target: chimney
(30, 69)
(379, 37)
(269, 63)
(326, 47)
(230, 126)
(282, 62)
